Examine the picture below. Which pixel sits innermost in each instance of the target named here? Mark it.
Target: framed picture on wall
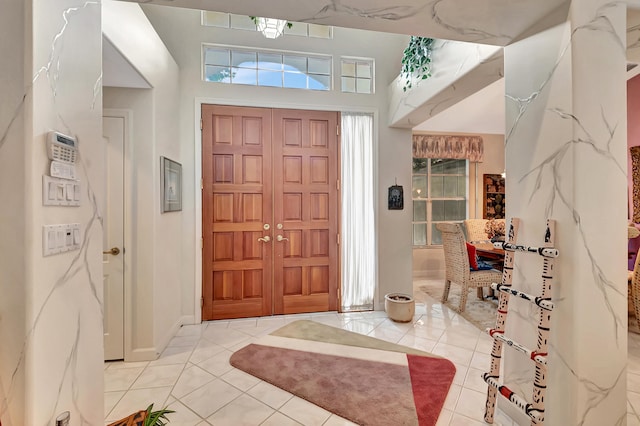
(171, 185)
(396, 198)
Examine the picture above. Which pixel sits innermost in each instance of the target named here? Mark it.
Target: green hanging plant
(156, 418)
(416, 61)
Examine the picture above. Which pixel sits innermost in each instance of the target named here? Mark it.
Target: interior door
(113, 238)
(306, 266)
(237, 204)
(270, 211)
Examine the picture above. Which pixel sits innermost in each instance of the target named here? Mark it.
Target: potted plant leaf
(146, 417)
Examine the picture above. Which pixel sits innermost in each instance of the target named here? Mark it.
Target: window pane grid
(356, 75)
(270, 69)
(439, 194)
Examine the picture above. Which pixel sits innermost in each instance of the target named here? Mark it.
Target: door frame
(198, 102)
(127, 252)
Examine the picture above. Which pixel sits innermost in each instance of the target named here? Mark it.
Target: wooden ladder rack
(535, 409)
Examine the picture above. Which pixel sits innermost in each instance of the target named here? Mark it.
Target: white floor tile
(425, 331)
(271, 395)
(139, 399)
(456, 338)
(474, 380)
(481, 361)
(209, 398)
(453, 353)
(158, 376)
(174, 355)
(419, 343)
(189, 341)
(485, 344)
(183, 416)
(110, 400)
(242, 411)
(240, 379)
(452, 397)
(191, 330)
(471, 404)
(225, 337)
(279, 419)
(459, 420)
(335, 420)
(387, 334)
(277, 321)
(305, 412)
(121, 364)
(120, 378)
(444, 418)
(359, 327)
(243, 323)
(205, 350)
(217, 364)
(191, 379)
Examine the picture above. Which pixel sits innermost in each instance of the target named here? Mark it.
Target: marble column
(50, 307)
(566, 160)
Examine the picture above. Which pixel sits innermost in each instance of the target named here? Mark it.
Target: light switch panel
(60, 238)
(60, 192)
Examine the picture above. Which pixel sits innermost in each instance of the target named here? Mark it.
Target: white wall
(157, 261)
(51, 307)
(182, 33)
(13, 225)
(429, 262)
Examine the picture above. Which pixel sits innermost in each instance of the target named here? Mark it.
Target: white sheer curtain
(358, 226)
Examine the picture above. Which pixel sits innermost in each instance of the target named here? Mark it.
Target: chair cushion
(473, 257)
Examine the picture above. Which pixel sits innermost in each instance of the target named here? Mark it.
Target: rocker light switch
(60, 192)
(60, 238)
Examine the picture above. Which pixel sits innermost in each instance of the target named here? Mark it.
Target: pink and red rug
(365, 380)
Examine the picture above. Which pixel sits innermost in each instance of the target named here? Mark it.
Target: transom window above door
(233, 65)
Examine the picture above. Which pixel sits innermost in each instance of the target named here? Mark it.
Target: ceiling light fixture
(270, 27)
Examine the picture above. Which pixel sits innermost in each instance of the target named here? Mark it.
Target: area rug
(365, 380)
(481, 313)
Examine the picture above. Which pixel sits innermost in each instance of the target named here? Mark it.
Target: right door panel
(305, 164)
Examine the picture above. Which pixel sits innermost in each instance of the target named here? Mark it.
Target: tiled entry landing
(194, 378)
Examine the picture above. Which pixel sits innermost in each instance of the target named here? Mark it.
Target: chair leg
(445, 294)
(463, 298)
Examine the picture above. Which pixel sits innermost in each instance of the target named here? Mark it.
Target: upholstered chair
(475, 229)
(457, 267)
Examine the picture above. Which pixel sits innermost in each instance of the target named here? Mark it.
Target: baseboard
(170, 334)
(189, 320)
(143, 354)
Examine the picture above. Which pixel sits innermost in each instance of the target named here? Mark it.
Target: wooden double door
(270, 211)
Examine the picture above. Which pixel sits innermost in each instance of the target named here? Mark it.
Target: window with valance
(440, 176)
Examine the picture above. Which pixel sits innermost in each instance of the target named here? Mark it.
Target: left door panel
(237, 204)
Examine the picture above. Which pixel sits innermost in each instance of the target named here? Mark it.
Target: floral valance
(444, 146)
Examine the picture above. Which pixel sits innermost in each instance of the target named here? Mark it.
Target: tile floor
(194, 378)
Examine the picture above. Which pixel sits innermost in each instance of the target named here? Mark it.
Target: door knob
(281, 238)
(265, 239)
(114, 251)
